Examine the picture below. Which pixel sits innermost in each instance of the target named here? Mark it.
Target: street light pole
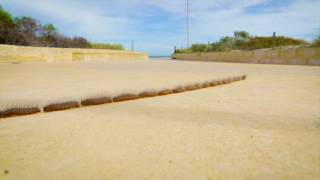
(188, 38)
(132, 45)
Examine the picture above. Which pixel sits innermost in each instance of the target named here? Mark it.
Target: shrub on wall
(267, 42)
(106, 46)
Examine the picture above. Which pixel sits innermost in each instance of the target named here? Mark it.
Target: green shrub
(198, 47)
(107, 46)
(183, 51)
(267, 42)
(316, 42)
(5, 18)
(6, 27)
(243, 41)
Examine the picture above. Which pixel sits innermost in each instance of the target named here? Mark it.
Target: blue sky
(156, 26)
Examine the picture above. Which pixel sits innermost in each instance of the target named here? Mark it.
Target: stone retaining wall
(293, 55)
(10, 53)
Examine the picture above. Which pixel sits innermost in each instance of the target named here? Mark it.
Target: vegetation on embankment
(296, 55)
(316, 42)
(243, 41)
(27, 31)
(106, 46)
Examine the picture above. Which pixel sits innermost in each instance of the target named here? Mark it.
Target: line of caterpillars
(124, 97)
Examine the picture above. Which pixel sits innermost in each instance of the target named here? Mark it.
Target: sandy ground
(39, 84)
(266, 127)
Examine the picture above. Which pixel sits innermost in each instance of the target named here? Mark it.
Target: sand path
(40, 84)
(266, 127)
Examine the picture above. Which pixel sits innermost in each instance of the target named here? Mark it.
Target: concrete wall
(10, 53)
(293, 55)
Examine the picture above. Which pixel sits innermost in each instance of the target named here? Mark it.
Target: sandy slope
(266, 127)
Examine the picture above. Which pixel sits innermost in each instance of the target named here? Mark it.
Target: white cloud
(299, 19)
(122, 20)
(80, 18)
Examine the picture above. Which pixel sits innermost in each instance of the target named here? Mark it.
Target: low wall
(294, 55)
(10, 53)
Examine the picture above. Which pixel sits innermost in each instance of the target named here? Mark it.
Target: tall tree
(28, 30)
(6, 27)
(80, 42)
(49, 35)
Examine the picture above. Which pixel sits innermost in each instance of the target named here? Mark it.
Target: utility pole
(132, 45)
(188, 38)
(274, 40)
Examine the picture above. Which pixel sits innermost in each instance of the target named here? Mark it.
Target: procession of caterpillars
(19, 111)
